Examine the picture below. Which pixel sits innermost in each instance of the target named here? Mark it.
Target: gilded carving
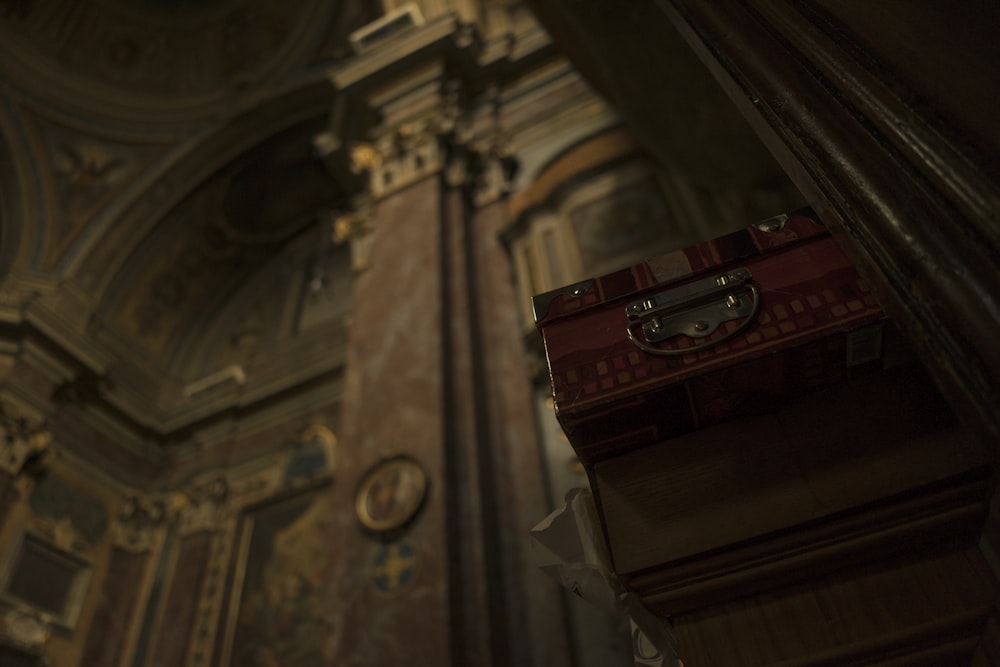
(357, 228)
(401, 156)
(364, 158)
(449, 141)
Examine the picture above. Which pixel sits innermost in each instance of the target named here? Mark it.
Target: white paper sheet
(568, 546)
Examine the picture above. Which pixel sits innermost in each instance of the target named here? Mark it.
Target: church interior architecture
(272, 392)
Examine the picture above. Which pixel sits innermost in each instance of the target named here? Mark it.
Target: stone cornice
(415, 85)
(83, 374)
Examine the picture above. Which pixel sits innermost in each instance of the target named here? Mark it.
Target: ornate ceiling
(169, 58)
(156, 155)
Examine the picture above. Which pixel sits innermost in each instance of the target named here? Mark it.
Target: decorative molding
(442, 141)
(401, 18)
(203, 633)
(232, 373)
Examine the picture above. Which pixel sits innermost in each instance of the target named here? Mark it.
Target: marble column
(436, 371)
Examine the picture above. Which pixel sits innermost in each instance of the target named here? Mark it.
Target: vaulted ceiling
(157, 165)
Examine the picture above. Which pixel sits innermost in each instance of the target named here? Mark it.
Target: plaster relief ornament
(364, 158)
(25, 628)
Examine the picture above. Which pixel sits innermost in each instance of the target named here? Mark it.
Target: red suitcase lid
(777, 232)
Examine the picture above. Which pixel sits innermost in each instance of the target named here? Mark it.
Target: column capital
(496, 167)
(140, 519)
(401, 155)
(205, 506)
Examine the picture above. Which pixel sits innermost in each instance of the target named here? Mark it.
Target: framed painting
(275, 614)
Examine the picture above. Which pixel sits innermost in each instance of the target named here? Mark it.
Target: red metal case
(719, 330)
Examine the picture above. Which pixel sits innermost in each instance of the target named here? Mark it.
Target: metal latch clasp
(696, 310)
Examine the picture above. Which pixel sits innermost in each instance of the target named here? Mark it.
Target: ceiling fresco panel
(84, 172)
(210, 244)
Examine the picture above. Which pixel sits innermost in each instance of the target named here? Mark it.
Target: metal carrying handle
(704, 346)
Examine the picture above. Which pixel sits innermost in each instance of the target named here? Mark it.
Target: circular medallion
(391, 494)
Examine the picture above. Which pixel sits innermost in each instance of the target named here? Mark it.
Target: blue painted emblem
(394, 567)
